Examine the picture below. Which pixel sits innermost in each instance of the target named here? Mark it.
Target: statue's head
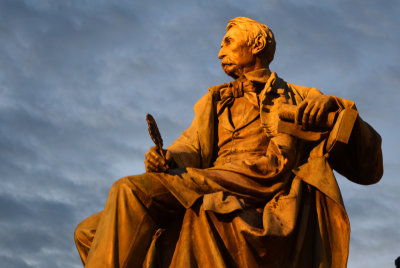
(246, 46)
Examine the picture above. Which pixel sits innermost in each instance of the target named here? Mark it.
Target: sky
(78, 77)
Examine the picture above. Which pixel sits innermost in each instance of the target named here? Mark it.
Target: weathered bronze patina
(249, 183)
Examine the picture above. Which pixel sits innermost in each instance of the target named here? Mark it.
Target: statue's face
(236, 55)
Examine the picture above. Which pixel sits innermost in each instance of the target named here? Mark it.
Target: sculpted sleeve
(194, 148)
(360, 160)
(185, 150)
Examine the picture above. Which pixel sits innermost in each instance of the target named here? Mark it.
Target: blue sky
(78, 77)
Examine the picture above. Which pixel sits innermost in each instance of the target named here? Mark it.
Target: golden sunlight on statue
(249, 183)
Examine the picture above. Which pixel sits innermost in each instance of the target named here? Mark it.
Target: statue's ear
(259, 44)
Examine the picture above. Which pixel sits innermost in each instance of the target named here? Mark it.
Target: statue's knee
(86, 230)
(79, 233)
(121, 184)
(142, 182)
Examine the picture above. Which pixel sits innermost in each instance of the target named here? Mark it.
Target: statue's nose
(221, 54)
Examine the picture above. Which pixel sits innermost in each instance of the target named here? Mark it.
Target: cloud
(76, 80)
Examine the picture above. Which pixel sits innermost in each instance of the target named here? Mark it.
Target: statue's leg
(135, 207)
(84, 235)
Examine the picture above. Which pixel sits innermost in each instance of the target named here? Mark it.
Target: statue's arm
(194, 147)
(360, 160)
(185, 151)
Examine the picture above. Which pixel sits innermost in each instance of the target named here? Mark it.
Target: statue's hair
(252, 29)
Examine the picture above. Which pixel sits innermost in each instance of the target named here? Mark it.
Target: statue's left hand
(314, 109)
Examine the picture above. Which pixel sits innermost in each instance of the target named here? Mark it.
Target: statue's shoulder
(279, 84)
(291, 91)
(213, 94)
(210, 98)
(214, 90)
(303, 92)
(298, 92)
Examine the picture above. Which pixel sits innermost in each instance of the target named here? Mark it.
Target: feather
(155, 134)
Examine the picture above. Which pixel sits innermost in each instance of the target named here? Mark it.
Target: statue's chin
(231, 71)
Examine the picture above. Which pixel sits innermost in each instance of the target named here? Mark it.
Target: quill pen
(155, 135)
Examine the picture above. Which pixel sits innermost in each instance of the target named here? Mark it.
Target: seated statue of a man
(249, 183)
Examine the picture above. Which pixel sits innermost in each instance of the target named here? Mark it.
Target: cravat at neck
(237, 89)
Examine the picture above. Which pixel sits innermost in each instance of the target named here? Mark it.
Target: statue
(249, 183)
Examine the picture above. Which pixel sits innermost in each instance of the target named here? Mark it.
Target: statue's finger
(151, 152)
(152, 167)
(306, 115)
(155, 155)
(320, 115)
(312, 116)
(299, 112)
(148, 166)
(163, 168)
(154, 163)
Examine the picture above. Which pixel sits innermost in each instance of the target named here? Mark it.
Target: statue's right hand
(154, 162)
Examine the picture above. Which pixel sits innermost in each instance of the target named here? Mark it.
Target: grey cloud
(30, 226)
(76, 80)
(12, 262)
